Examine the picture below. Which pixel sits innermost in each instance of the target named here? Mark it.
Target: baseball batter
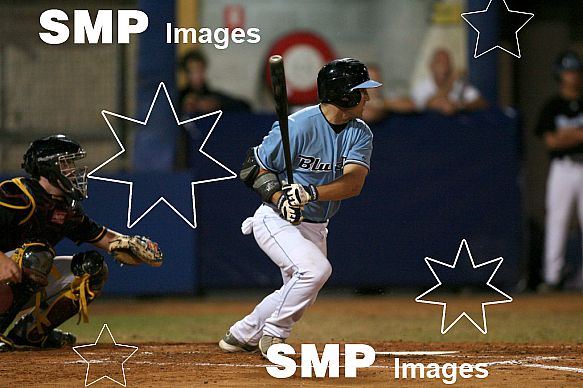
(35, 214)
(561, 126)
(331, 149)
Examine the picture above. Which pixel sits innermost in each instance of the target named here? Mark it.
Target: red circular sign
(304, 53)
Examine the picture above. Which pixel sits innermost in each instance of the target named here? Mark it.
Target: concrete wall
(48, 89)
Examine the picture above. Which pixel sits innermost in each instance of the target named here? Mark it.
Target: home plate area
(160, 365)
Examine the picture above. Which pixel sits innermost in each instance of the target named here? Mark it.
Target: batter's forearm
(342, 188)
(347, 186)
(275, 197)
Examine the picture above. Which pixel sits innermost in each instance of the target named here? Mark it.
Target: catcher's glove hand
(136, 250)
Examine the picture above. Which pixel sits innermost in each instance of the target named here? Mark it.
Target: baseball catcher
(37, 212)
(330, 149)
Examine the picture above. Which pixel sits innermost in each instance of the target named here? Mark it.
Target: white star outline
(497, 46)
(420, 299)
(193, 223)
(105, 326)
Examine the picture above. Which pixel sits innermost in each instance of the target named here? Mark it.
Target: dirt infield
(535, 341)
(194, 365)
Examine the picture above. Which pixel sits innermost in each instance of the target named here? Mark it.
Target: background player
(561, 126)
(35, 214)
(331, 149)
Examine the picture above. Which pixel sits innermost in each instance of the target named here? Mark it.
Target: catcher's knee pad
(90, 272)
(35, 260)
(92, 266)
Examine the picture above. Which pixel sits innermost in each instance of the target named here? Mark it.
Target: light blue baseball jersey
(318, 153)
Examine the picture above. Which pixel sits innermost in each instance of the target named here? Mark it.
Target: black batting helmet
(53, 157)
(567, 60)
(339, 81)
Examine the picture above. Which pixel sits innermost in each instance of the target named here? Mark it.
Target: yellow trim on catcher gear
(14, 206)
(19, 252)
(99, 236)
(19, 183)
(7, 341)
(81, 285)
(31, 205)
(40, 318)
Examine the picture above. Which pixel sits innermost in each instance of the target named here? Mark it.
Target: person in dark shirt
(197, 96)
(37, 212)
(560, 125)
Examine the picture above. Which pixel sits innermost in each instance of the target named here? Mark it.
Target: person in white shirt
(446, 91)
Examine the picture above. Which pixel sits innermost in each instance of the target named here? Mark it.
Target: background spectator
(197, 96)
(446, 91)
(381, 103)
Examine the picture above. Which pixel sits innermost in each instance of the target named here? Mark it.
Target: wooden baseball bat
(280, 96)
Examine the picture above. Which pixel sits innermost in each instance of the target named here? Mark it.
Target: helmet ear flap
(348, 100)
(354, 98)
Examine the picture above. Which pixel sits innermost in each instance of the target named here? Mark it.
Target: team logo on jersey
(315, 164)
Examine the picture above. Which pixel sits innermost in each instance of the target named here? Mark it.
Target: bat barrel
(278, 84)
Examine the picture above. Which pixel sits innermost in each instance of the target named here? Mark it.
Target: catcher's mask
(54, 158)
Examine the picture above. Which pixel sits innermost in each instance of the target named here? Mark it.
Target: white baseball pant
(564, 194)
(300, 253)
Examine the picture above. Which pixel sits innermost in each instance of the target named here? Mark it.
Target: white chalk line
(507, 362)
(532, 365)
(524, 363)
(527, 362)
(420, 353)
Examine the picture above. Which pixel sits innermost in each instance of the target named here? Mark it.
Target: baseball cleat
(230, 344)
(5, 344)
(266, 341)
(55, 339)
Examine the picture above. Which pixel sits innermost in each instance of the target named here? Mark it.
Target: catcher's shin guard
(35, 260)
(38, 327)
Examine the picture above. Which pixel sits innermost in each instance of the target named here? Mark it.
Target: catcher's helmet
(567, 60)
(339, 81)
(53, 157)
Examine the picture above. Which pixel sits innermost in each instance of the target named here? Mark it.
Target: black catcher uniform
(32, 222)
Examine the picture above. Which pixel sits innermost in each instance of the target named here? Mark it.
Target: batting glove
(299, 195)
(293, 214)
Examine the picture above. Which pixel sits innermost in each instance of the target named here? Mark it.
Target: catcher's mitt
(136, 250)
